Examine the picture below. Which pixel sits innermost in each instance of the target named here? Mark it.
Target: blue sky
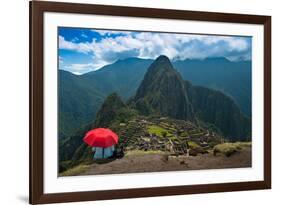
(82, 50)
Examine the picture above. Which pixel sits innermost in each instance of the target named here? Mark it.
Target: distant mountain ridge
(80, 97)
(217, 73)
(232, 78)
(123, 76)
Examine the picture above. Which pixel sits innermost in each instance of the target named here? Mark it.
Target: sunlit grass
(230, 148)
(193, 145)
(75, 170)
(157, 130)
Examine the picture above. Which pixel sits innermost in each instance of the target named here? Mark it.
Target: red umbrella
(101, 137)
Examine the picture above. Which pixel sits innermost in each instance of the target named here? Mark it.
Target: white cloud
(75, 39)
(79, 69)
(69, 45)
(109, 33)
(84, 35)
(151, 45)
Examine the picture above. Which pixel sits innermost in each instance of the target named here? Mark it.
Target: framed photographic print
(138, 102)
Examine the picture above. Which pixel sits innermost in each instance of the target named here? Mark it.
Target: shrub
(229, 149)
(193, 144)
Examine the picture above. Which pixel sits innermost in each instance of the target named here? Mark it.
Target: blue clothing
(102, 153)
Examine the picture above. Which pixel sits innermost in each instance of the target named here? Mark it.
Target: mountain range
(81, 96)
(162, 93)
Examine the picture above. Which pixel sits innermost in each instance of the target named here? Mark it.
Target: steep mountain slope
(78, 102)
(216, 108)
(80, 97)
(72, 150)
(163, 91)
(109, 110)
(232, 78)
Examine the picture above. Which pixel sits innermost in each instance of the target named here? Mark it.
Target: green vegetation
(78, 103)
(109, 111)
(159, 131)
(184, 134)
(217, 73)
(75, 170)
(162, 91)
(193, 145)
(221, 111)
(172, 137)
(230, 148)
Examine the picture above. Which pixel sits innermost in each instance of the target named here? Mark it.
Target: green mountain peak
(109, 110)
(162, 91)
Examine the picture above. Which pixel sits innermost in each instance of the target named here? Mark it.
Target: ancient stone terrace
(164, 134)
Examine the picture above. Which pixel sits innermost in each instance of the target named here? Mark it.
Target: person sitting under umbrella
(103, 142)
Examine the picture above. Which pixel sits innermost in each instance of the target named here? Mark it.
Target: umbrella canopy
(101, 137)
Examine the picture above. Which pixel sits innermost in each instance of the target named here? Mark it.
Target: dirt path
(159, 162)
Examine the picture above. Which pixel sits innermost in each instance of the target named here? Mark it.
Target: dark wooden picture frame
(37, 9)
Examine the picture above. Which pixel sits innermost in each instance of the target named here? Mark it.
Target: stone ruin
(177, 145)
